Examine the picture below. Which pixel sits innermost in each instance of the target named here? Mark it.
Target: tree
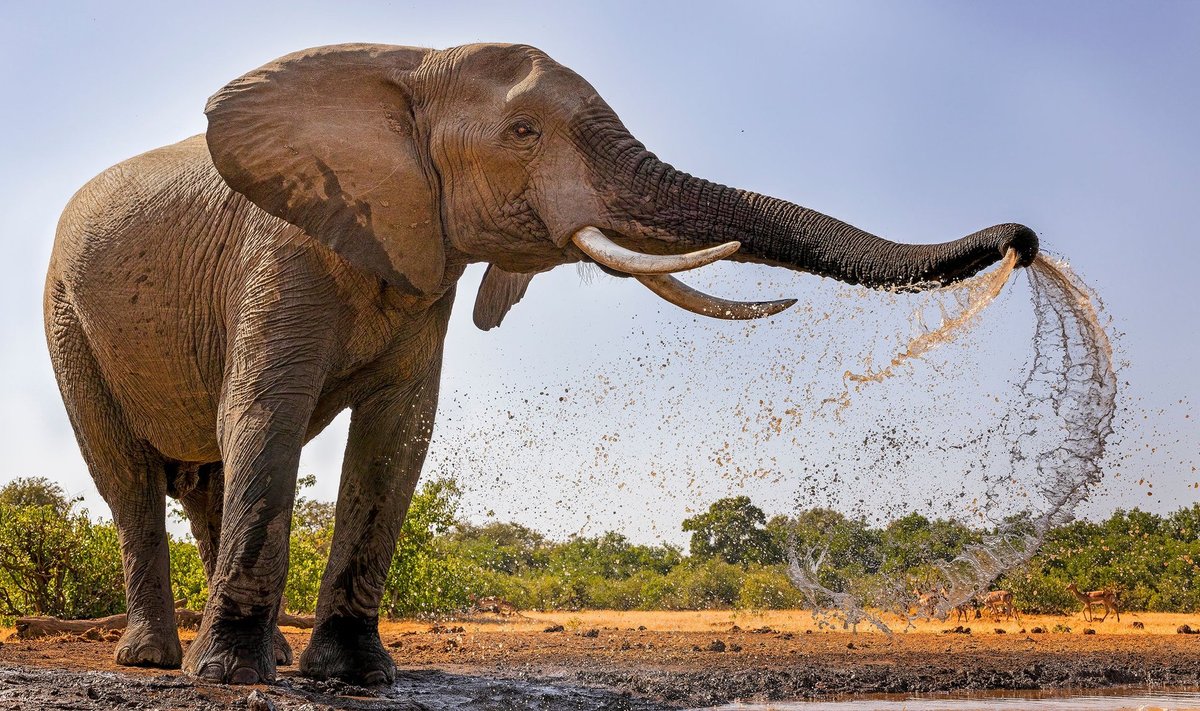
(611, 556)
(503, 547)
(734, 530)
(24, 492)
(849, 548)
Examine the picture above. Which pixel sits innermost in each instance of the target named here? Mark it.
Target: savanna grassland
(663, 659)
(607, 621)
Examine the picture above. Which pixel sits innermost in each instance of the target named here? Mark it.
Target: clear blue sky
(919, 121)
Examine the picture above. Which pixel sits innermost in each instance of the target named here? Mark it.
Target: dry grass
(783, 621)
(779, 620)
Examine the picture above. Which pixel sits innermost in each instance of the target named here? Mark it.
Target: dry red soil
(602, 660)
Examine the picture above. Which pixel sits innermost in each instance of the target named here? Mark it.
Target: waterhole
(1113, 700)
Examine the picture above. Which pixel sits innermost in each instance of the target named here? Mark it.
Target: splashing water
(973, 295)
(1060, 425)
(691, 410)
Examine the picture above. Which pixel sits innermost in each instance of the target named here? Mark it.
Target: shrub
(308, 549)
(768, 588)
(188, 581)
(54, 560)
(712, 584)
(419, 580)
(639, 591)
(1039, 594)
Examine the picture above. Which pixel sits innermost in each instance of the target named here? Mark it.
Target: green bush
(768, 588)
(1039, 594)
(639, 591)
(187, 574)
(420, 580)
(55, 560)
(308, 549)
(712, 584)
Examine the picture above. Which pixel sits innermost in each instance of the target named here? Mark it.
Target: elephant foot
(349, 649)
(233, 652)
(283, 650)
(143, 645)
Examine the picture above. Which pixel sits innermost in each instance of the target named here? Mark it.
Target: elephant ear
(498, 292)
(327, 140)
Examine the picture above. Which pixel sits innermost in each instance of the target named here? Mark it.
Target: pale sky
(919, 121)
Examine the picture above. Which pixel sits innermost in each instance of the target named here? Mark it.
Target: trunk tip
(1022, 239)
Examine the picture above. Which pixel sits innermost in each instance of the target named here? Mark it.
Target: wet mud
(620, 669)
(414, 690)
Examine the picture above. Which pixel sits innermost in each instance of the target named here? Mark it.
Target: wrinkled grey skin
(212, 305)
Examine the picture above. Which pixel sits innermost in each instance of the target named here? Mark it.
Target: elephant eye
(523, 129)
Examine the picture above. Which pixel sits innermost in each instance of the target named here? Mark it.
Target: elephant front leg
(202, 504)
(263, 422)
(389, 436)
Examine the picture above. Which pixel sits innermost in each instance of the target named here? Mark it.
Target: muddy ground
(680, 662)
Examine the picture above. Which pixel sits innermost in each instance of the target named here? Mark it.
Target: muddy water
(792, 412)
(1115, 700)
(422, 690)
(973, 294)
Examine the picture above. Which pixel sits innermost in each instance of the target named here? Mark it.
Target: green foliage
(421, 579)
(852, 550)
(308, 548)
(55, 560)
(502, 547)
(734, 530)
(705, 585)
(911, 543)
(768, 588)
(188, 581)
(26, 492)
(1150, 560)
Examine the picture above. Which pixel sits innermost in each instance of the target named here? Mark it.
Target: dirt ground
(641, 660)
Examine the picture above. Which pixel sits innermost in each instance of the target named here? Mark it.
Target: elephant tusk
(685, 297)
(594, 244)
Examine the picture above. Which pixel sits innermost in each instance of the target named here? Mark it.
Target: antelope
(962, 613)
(1105, 597)
(1000, 602)
(927, 602)
(492, 603)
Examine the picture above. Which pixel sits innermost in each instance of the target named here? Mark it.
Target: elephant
(212, 305)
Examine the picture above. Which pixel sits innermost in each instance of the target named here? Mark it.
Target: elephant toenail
(244, 675)
(375, 678)
(212, 671)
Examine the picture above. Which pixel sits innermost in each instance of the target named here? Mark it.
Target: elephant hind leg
(201, 491)
(131, 476)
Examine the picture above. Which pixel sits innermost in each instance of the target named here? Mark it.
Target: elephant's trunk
(658, 201)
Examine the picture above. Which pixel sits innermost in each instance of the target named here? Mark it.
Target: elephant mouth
(654, 272)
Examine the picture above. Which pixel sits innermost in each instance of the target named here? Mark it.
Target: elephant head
(411, 163)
